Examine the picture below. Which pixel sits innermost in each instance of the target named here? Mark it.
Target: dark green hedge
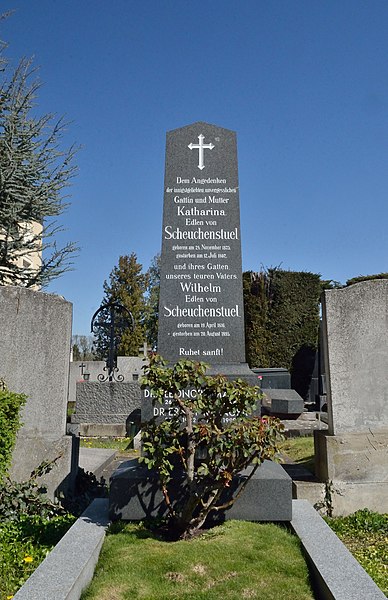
(366, 278)
(282, 321)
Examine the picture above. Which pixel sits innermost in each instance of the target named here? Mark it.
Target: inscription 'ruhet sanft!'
(201, 306)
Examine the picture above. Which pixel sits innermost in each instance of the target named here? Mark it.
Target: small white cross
(201, 146)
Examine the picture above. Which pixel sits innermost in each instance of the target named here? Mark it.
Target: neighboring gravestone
(89, 370)
(35, 334)
(355, 344)
(201, 304)
(353, 453)
(106, 409)
(273, 378)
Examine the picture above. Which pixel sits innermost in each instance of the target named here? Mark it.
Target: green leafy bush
(25, 498)
(211, 437)
(365, 533)
(28, 497)
(30, 524)
(10, 405)
(24, 543)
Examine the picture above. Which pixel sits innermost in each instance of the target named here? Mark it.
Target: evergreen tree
(128, 285)
(33, 174)
(152, 302)
(282, 321)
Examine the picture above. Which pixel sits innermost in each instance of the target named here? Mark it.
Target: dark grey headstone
(201, 305)
(273, 377)
(134, 494)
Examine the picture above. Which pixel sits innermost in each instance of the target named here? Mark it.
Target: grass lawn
(234, 560)
(300, 450)
(122, 445)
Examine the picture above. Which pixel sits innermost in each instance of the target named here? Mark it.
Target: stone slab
(150, 408)
(135, 495)
(69, 567)
(347, 497)
(273, 378)
(336, 573)
(304, 425)
(98, 429)
(95, 460)
(234, 371)
(284, 401)
(355, 332)
(312, 491)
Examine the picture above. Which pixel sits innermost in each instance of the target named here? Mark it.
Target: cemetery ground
(364, 533)
(212, 565)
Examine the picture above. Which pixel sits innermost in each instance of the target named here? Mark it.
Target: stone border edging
(336, 573)
(69, 567)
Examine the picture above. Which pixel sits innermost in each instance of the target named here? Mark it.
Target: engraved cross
(201, 146)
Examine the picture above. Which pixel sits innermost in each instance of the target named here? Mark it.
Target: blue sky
(304, 83)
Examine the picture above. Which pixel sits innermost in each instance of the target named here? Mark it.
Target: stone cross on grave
(201, 146)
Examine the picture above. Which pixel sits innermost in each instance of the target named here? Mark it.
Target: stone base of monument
(238, 371)
(284, 403)
(97, 429)
(356, 465)
(135, 495)
(235, 371)
(62, 453)
(357, 456)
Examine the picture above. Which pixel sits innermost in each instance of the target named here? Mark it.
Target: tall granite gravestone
(201, 314)
(201, 308)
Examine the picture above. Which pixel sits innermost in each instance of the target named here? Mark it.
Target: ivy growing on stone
(10, 406)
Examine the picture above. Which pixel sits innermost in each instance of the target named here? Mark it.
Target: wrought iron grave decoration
(113, 318)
